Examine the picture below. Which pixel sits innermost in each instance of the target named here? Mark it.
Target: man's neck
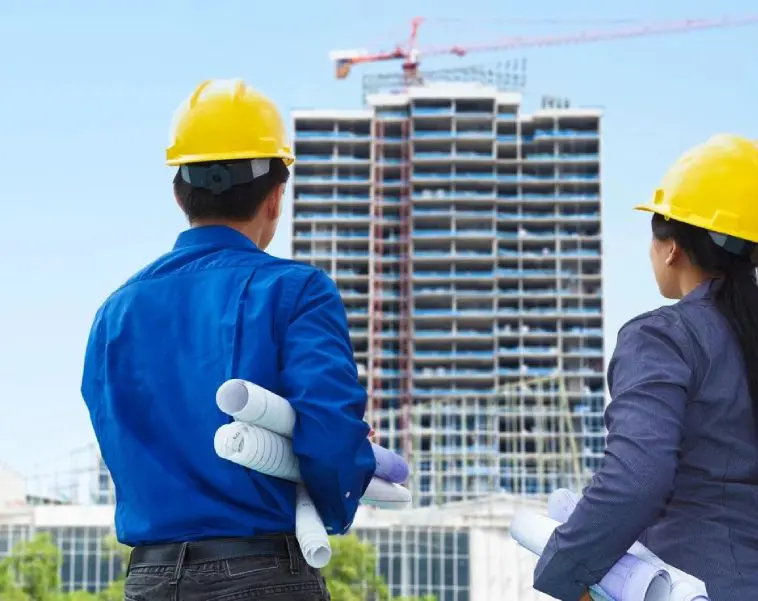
(249, 229)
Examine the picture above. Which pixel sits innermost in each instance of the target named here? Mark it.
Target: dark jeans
(267, 568)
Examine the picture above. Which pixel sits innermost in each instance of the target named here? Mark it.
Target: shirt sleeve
(649, 376)
(92, 373)
(320, 380)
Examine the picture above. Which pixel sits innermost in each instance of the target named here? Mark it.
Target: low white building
(459, 552)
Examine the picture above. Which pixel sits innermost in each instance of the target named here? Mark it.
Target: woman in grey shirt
(680, 472)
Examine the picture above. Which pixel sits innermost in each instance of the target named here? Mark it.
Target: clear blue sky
(87, 91)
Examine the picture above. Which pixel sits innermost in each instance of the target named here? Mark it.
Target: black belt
(215, 549)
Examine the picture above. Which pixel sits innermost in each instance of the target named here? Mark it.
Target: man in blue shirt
(213, 308)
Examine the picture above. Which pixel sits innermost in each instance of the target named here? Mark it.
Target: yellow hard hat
(713, 186)
(224, 120)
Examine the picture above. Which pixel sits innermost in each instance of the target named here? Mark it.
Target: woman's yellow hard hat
(713, 186)
(224, 120)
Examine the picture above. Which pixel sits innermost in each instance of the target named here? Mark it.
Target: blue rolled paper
(390, 466)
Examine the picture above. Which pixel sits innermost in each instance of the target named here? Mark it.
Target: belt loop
(174, 583)
(292, 552)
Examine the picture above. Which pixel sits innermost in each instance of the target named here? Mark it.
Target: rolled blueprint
(630, 579)
(268, 453)
(386, 495)
(248, 402)
(257, 449)
(390, 466)
(310, 531)
(684, 587)
(561, 504)
(259, 439)
(531, 531)
(253, 404)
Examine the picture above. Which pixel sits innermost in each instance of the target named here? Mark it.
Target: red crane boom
(344, 60)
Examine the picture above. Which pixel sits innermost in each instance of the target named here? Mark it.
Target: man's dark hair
(233, 201)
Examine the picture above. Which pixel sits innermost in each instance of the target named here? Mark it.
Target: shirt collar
(703, 290)
(214, 235)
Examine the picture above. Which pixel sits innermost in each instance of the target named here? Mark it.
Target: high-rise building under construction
(465, 238)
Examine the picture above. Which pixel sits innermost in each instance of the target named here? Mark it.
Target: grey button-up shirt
(680, 472)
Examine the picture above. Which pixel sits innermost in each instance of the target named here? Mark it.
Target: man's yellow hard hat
(224, 120)
(713, 186)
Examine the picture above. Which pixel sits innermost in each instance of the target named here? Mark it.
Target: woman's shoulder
(663, 318)
(663, 329)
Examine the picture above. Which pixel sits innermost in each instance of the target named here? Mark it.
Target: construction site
(464, 233)
(465, 238)
(463, 228)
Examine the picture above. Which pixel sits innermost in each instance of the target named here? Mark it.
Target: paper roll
(631, 579)
(253, 404)
(684, 587)
(271, 454)
(390, 466)
(386, 495)
(310, 531)
(257, 449)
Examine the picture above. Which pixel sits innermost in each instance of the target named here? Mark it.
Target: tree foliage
(352, 576)
(31, 573)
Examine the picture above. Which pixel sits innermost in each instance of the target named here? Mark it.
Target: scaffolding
(376, 275)
(507, 75)
(465, 238)
(80, 477)
(405, 329)
(527, 439)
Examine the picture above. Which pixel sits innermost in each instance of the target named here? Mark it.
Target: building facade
(460, 552)
(83, 532)
(465, 238)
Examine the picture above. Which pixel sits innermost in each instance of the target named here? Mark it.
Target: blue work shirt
(216, 307)
(681, 465)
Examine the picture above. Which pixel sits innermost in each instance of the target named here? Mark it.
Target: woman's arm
(649, 376)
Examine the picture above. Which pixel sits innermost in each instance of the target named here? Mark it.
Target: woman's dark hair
(238, 203)
(736, 297)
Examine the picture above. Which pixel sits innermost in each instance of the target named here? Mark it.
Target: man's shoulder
(172, 263)
(291, 268)
(270, 271)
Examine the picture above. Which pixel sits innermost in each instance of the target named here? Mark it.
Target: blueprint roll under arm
(257, 449)
(253, 404)
(248, 402)
(630, 579)
(268, 453)
(390, 466)
(684, 587)
(310, 531)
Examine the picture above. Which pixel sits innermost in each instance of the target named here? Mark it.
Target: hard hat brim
(287, 157)
(696, 222)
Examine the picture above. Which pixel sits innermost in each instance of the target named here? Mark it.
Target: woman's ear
(675, 252)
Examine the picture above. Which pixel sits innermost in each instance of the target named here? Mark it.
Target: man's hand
(586, 597)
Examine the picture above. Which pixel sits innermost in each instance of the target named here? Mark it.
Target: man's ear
(274, 202)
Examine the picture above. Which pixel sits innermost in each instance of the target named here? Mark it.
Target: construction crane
(410, 54)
